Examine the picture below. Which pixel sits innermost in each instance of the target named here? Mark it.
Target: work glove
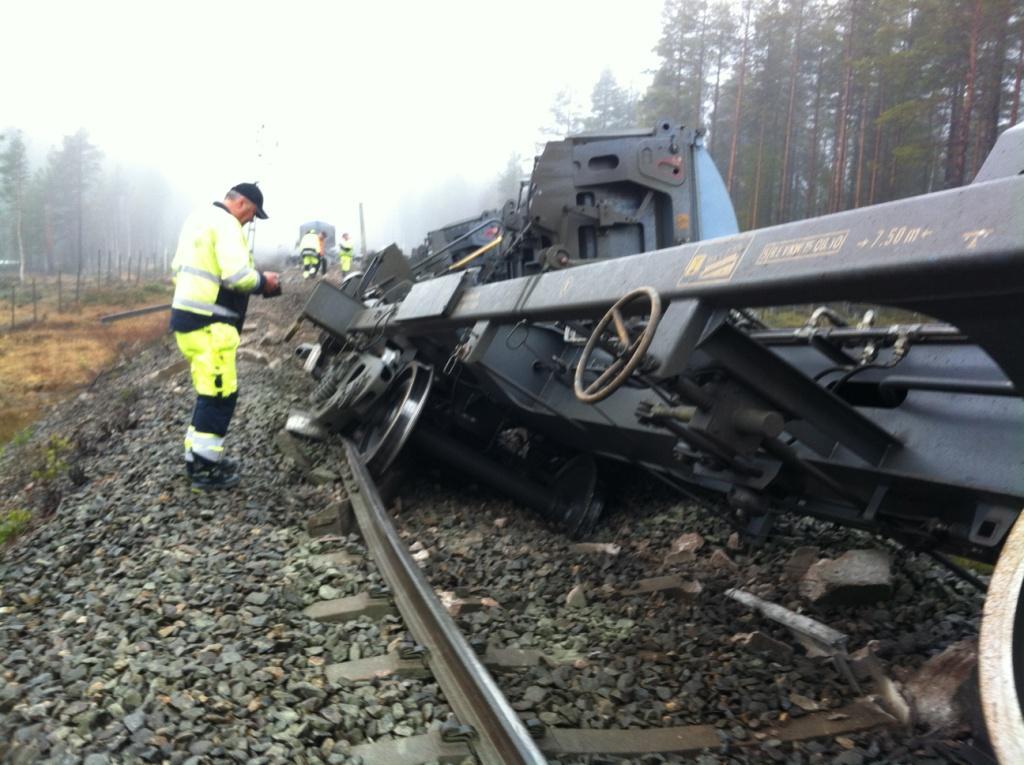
(271, 284)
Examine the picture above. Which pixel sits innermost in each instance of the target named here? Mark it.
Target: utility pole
(362, 232)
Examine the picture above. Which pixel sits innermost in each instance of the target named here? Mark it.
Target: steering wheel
(631, 353)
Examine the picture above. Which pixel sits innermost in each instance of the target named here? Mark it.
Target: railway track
(489, 725)
(486, 726)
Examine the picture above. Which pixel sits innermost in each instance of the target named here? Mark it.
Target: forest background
(810, 107)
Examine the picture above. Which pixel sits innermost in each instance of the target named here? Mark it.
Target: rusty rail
(500, 736)
(108, 318)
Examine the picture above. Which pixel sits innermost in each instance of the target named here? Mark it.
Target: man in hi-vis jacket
(214, 275)
(310, 247)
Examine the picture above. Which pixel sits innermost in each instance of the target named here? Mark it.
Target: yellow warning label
(715, 262)
(694, 265)
(721, 269)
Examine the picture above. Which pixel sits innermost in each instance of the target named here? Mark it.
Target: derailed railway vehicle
(590, 197)
(445, 247)
(648, 353)
(609, 195)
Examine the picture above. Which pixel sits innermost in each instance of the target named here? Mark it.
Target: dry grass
(43, 362)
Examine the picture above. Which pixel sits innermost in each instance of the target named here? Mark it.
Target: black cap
(252, 192)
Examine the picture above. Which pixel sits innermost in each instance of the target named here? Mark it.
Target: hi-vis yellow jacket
(345, 255)
(310, 241)
(213, 268)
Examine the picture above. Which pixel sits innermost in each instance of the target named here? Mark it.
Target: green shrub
(17, 441)
(52, 460)
(12, 523)
(22, 436)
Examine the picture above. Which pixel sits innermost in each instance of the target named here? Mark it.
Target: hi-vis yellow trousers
(210, 351)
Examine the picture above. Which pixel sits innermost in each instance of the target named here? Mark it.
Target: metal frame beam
(935, 253)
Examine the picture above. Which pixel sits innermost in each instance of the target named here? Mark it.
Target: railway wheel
(352, 283)
(392, 417)
(579, 495)
(1001, 651)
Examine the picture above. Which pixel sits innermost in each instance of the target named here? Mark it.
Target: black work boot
(207, 475)
(227, 465)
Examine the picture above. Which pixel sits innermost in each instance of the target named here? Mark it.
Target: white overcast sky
(325, 103)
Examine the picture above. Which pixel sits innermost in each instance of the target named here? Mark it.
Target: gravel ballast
(143, 622)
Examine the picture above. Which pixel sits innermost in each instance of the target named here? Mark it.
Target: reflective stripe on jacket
(213, 268)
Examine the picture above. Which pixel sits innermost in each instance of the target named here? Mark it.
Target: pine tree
(678, 89)
(76, 168)
(737, 123)
(788, 136)
(960, 127)
(507, 185)
(14, 175)
(1019, 71)
(612, 107)
(992, 67)
(566, 114)
(724, 26)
